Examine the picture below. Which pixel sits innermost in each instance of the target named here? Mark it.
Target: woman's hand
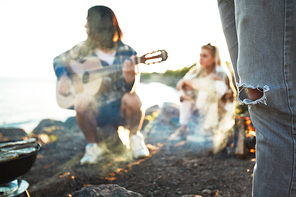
(184, 85)
(129, 70)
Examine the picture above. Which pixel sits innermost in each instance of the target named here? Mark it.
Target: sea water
(24, 102)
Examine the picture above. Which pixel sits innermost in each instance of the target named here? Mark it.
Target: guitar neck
(108, 70)
(98, 73)
(149, 58)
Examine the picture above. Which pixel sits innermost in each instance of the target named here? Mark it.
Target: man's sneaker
(138, 146)
(93, 153)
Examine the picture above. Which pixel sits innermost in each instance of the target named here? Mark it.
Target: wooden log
(240, 150)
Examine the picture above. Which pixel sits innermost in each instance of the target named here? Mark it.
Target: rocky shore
(173, 168)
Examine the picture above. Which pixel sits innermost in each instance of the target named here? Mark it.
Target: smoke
(213, 122)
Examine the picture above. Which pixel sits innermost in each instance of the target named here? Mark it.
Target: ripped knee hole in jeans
(252, 95)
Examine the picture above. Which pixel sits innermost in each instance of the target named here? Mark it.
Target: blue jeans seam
(285, 72)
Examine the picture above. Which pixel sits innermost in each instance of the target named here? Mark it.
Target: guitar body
(75, 84)
(87, 77)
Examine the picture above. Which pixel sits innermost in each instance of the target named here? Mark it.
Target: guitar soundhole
(85, 77)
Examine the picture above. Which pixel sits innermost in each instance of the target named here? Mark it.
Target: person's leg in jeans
(261, 39)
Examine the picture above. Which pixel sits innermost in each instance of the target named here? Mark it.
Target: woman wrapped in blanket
(207, 100)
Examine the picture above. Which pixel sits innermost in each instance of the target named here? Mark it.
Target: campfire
(250, 134)
(245, 136)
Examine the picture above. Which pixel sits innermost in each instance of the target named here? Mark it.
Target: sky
(33, 32)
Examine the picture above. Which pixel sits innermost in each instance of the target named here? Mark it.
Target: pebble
(206, 192)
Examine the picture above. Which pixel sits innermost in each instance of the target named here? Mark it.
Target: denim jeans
(261, 38)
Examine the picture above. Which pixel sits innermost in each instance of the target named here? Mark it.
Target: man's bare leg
(131, 111)
(86, 112)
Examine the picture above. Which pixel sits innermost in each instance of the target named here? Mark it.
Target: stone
(152, 109)
(105, 190)
(71, 122)
(206, 192)
(170, 113)
(11, 134)
(48, 123)
(50, 131)
(150, 114)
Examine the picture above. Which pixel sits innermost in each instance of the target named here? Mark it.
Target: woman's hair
(104, 29)
(214, 51)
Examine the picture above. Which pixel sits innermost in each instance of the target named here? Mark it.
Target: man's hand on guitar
(129, 70)
(64, 87)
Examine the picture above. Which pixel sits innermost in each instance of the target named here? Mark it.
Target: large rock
(49, 130)
(11, 134)
(47, 125)
(150, 114)
(108, 190)
(170, 113)
(71, 124)
(152, 109)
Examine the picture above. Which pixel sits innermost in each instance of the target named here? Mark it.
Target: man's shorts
(109, 114)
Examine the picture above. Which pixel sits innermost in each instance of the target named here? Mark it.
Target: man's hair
(104, 29)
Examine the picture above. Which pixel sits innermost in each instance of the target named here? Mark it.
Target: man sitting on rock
(115, 103)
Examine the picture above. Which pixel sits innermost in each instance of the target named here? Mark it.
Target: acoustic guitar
(87, 77)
